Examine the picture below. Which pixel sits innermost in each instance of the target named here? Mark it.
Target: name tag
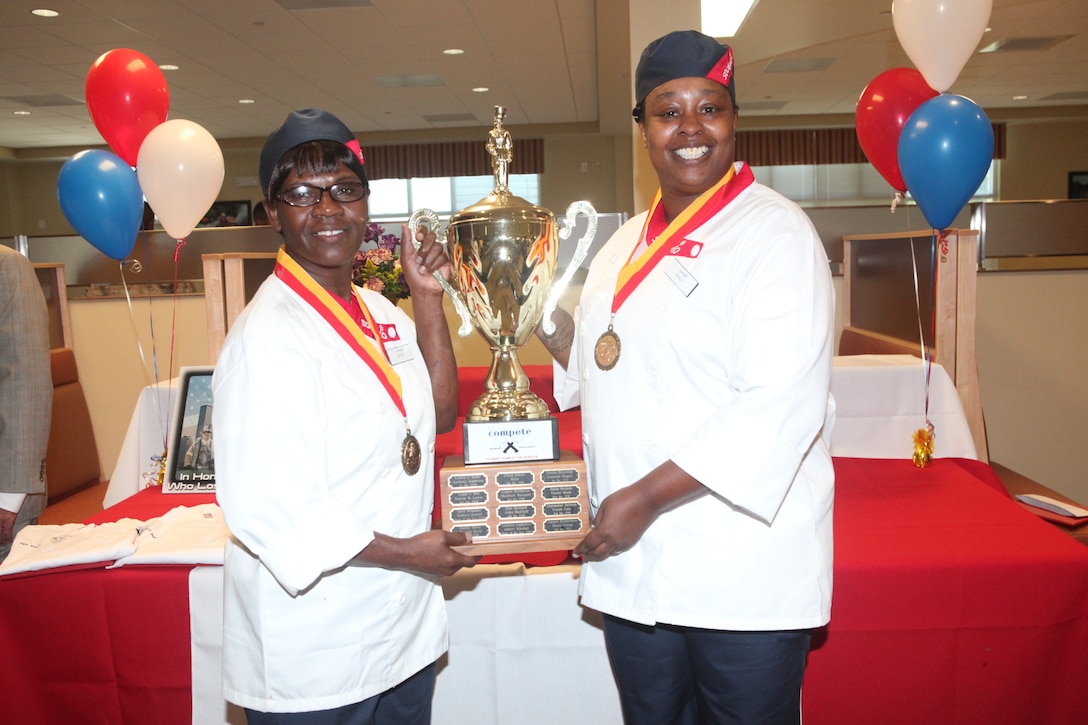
(399, 353)
(680, 276)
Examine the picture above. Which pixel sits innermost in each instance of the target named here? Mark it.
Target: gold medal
(411, 455)
(607, 350)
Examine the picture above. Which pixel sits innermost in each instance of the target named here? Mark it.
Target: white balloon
(180, 168)
(939, 36)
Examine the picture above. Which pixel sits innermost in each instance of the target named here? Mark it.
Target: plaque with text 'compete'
(507, 441)
(516, 508)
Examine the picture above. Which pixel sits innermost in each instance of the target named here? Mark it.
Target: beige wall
(1031, 334)
(1040, 154)
(579, 167)
(1039, 157)
(32, 189)
(8, 171)
(117, 356)
(1032, 346)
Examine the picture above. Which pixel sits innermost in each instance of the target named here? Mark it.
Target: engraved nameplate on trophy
(534, 506)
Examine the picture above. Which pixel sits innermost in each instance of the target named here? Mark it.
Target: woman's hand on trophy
(420, 265)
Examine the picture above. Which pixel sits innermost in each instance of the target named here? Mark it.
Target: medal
(607, 350)
(663, 239)
(411, 454)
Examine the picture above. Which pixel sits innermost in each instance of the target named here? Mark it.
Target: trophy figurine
(504, 251)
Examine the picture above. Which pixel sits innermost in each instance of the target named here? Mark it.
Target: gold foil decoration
(923, 446)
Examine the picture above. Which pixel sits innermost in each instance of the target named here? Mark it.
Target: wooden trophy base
(516, 508)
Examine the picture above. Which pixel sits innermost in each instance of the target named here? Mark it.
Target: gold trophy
(504, 252)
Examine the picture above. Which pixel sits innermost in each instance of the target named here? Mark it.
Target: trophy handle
(431, 219)
(565, 228)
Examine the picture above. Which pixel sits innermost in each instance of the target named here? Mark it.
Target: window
(394, 200)
(844, 184)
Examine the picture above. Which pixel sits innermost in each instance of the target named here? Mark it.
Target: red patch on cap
(723, 69)
(356, 149)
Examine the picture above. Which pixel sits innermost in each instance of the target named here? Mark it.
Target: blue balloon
(101, 197)
(945, 149)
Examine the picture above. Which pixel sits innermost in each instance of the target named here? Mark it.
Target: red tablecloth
(97, 645)
(952, 605)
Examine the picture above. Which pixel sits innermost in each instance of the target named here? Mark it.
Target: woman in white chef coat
(327, 400)
(700, 353)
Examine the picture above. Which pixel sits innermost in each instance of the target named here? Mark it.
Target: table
(880, 402)
(951, 604)
(1017, 483)
(145, 438)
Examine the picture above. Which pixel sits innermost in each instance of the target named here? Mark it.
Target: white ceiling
(538, 57)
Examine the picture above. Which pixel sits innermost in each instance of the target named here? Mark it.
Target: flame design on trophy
(504, 252)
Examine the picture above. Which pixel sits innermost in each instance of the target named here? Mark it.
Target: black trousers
(409, 703)
(684, 675)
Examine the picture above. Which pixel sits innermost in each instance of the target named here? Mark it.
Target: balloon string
(927, 358)
(174, 318)
(136, 268)
(896, 199)
(155, 360)
(925, 353)
(933, 261)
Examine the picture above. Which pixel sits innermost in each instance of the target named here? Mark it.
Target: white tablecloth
(145, 442)
(522, 650)
(881, 400)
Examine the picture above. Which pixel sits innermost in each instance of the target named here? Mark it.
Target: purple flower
(389, 241)
(373, 232)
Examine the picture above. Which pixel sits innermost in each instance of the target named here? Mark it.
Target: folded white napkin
(183, 535)
(57, 545)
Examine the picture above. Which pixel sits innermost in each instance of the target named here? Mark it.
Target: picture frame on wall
(228, 214)
(1078, 185)
(190, 453)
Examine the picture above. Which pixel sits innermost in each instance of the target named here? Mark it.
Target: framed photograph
(1078, 184)
(190, 452)
(227, 214)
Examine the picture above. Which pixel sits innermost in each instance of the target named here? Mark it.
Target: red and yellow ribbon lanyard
(662, 237)
(349, 330)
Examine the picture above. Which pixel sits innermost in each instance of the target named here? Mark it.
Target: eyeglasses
(307, 195)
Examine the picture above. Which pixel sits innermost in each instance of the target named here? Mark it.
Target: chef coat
(728, 379)
(308, 467)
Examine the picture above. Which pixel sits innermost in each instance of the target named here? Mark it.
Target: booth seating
(72, 456)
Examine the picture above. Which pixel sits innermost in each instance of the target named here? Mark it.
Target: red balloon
(885, 105)
(127, 97)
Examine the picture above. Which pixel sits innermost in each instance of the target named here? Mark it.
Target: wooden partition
(230, 281)
(55, 290)
(914, 293)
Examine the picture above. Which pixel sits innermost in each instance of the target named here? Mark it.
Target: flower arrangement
(378, 268)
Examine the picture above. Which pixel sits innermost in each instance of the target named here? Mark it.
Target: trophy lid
(500, 203)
